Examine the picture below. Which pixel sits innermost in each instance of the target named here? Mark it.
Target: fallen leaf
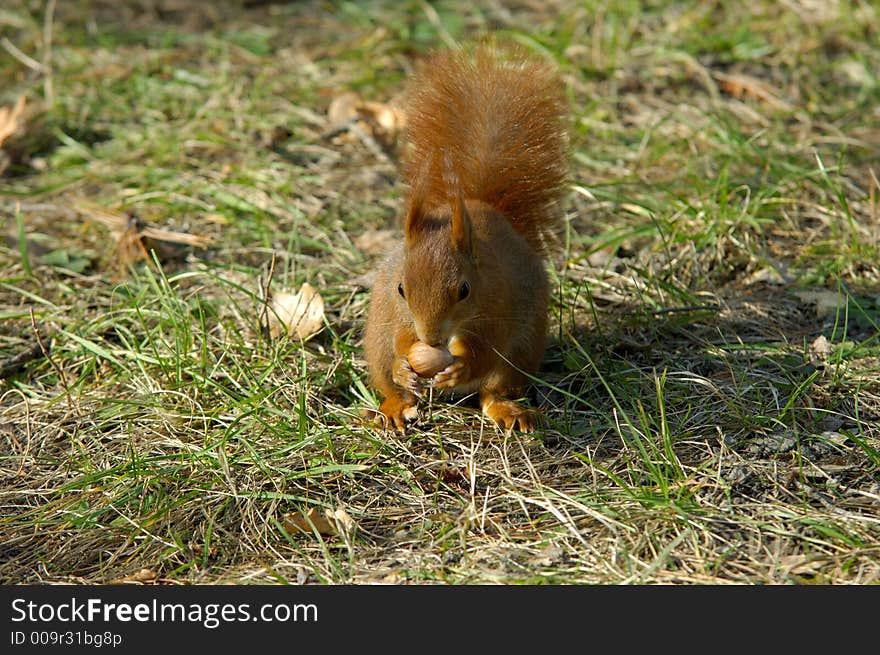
(820, 349)
(344, 523)
(766, 275)
(308, 523)
(827, 303)
(343, 108)
(135, 238)
(384, 121)
(144, 576)
(300, 314)
(120, 223)
(388, 117)
(9, 117)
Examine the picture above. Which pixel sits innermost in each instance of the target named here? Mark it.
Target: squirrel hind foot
(510, 415)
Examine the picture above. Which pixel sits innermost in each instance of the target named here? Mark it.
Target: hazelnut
(427, 360)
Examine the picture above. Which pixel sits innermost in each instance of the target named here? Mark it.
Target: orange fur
(491, 125)
(486, 165)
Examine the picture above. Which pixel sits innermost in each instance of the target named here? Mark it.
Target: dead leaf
(120, 223)
(9, 119)
(384, 121)
(135, 238)
(343, 108)
(144, 576)
(820, 350)
(344, 523)
(300, 314)
(765, 275)
(827, 303)
(389, 118)
(308, 523)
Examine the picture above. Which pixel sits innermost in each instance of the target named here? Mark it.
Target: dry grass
(713, 376)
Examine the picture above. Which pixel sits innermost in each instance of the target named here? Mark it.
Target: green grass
(712, 382)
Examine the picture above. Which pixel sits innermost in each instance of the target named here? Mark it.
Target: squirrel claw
(393, 413)
(405, 377)
(509, 416)
(451, 376)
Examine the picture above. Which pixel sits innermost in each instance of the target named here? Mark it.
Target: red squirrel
(485, 160)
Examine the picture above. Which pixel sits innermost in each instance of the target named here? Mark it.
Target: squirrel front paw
(454, 375)
(394, 413)
(403, 375)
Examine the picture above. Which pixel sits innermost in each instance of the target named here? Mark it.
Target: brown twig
(264, 296)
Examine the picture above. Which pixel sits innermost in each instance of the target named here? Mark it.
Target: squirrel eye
(464, 290)
(400, 290)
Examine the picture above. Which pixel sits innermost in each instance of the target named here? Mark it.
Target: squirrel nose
(432, 339)
(432, 336)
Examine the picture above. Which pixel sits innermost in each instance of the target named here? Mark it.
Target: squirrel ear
(461, 225)
(415, 212)
(413, 220)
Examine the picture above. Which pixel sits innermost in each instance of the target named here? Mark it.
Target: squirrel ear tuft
(415, 212)
(461, 225)
(414, 218)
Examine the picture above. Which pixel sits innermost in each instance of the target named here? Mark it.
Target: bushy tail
(492, 123)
